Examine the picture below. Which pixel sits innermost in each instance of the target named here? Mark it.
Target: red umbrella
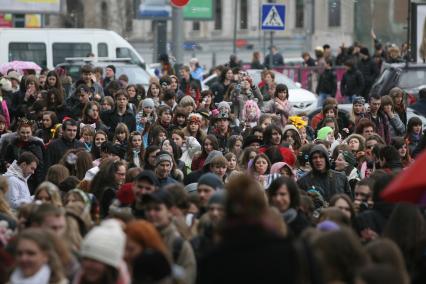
(409, 185)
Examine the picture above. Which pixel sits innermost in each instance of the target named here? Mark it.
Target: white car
(302, 100)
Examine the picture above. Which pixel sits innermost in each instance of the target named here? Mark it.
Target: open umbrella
(409, 185)
(19, 66)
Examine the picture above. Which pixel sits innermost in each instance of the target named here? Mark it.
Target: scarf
(41, 277)
(6, 114)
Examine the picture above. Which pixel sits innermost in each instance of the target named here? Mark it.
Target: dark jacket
(327, 183)
(327, 83)
(277, 60)
(370, 72)
(185, 86)
(381, 123)
(251, 253)
(352, 83)
(57, 149)
(112, 118)
(420, 106)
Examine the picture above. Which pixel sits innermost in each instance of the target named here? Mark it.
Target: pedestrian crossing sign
(273, 17)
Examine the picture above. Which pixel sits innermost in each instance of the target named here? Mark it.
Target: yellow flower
(297, 121)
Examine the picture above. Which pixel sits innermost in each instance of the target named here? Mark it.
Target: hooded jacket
(327, 183)
(18, 188)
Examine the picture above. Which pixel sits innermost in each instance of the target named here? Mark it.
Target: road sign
(273, 17)
(179, 3)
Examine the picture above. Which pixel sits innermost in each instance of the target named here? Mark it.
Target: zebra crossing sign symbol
(273, 17)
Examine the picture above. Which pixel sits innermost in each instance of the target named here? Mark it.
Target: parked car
(135, 73)
(411, 78)
(301, 99)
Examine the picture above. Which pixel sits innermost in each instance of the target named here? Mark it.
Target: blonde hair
(4, 205)
(52, 190)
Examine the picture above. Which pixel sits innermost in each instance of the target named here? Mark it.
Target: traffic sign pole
(270, 49)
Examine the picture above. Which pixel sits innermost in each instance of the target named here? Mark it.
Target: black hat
(109, 148)
(364, 51)
(251, 139)
(204, 112)
(160, 196)
(148, 176)
(112, 67)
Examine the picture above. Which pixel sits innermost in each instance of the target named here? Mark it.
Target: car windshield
(412, 78)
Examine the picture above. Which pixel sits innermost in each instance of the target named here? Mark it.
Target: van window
(102, 49)
(124, 52)
(63, 50)
(28, 51)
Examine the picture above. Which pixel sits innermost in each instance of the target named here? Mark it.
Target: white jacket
(18, 187)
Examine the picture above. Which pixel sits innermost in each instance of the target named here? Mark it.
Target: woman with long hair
(150, 156)
(260, 169)
(55, 102)
(107, 181)
(280, 101)
(47, 192)
(135, 151)
(283, 194)
(414, 132)
(399, 99)
(45, 266)
(401, 145)
(209, 144)
(155, 92)
(91, 116)
(49, 120)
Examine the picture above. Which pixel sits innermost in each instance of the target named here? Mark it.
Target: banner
(31, 6)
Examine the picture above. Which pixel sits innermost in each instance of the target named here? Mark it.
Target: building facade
(309, 22)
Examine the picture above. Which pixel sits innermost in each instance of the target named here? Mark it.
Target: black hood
(322, 150)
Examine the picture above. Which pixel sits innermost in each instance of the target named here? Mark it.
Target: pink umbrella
(19, 66)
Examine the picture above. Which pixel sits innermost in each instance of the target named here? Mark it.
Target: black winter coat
(370, 72)
(327, 83)
(252, 254)
(352, 83)
(57, 149)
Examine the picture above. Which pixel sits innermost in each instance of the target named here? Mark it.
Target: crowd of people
(106, 182)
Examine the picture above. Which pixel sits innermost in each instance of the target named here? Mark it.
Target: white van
(49, 47)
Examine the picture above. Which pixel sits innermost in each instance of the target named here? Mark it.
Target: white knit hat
(105, 243)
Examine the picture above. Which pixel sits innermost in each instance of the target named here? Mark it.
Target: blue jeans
(321, 98)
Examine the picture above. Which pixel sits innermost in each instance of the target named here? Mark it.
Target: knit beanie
(349, 158)
(211, 180)
(217, 198)
(163, 157)
(323, 132)
(105, 243)
(148, 102)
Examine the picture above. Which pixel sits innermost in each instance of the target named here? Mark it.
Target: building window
(334, 12)
(196, 26)
(218, 15)
(300, 14)
(243, 15)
